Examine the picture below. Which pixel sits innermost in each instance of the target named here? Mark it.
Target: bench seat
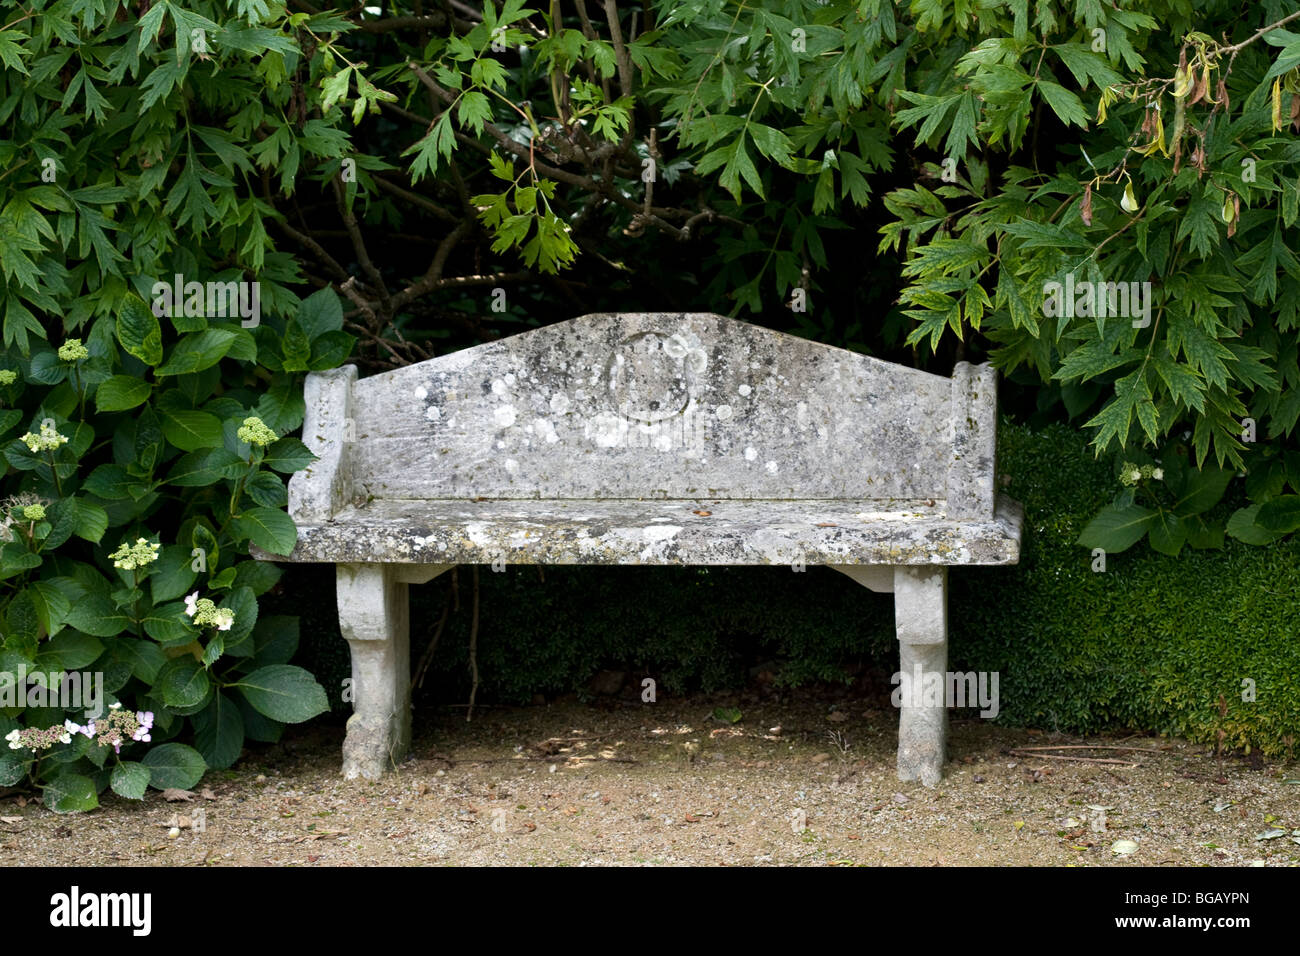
(662, 532)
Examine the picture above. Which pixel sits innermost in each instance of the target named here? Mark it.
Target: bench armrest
(323, 488)
(974, 441)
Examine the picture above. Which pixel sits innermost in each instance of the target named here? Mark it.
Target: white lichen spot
(750, 454)
(432, 413)
(545, 430)
(662, 532)
(504, 415)
(607, 430)
(801, 414)
(512, 466)
(559, 403)
(421, 393)
(663, 443)
(501, 443)
(510, 378)
(772, 467)
(499, 387)
(723, 412)
(744, 391)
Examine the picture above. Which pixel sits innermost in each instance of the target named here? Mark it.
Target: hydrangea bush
(140, 462)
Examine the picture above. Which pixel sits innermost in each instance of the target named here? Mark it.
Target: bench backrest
(659, 405)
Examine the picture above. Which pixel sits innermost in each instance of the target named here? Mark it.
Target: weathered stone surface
(374, 619)
(644, 406)
(974, 441)
(707, 532)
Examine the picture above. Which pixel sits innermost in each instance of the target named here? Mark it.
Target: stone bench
(646, 439)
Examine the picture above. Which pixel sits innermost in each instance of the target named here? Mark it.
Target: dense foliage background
(907, 179)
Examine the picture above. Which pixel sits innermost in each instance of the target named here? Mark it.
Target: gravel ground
(669, 783)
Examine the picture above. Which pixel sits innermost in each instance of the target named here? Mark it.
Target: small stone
(978, 778)
(260, 778)
(900, 798)
(173, 833)
(821, 758)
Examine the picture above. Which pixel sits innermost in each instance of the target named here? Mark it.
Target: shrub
(141, 464)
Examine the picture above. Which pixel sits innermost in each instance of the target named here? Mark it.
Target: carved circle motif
(653, 377)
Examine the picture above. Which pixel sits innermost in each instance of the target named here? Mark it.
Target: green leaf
(219, 732)
(139, 332)
(174, 766)
(268, 528)
(267, 489)
(172, 574)
(70, 793)
(109, 482)
(1117, 528)
(1202, 489)
(130, 780)
(1168, 533)
(12, 769)
(320, 312)
(183, 682)
(288, 455)
(96, 614)
(189, 429)
(1243, 527)
(120, 393)
(1281, 515)
(275, 639)
(205, 467)
(198, 351)
(284, 692)
(1067, 107)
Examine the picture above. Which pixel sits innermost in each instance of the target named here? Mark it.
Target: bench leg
(374, 616)
(921, 616)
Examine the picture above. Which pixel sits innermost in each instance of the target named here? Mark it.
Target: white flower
(12, 737)
(190, 603)
(1158, 474)
(65, 738)
(223, 618)
(115, 706)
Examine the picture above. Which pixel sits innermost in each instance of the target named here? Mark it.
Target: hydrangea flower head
(8, 376)
(34, 512)
(73, 351)
(129, 557)
(255, 432)
(48, 439)
(204, 612)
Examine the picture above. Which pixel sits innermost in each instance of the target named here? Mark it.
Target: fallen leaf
(838, 717)
(11, 819)
(1272, 834)
(1124, 847)
(1020, 825)
(207, 794)
(171, 795)
(702, 514)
